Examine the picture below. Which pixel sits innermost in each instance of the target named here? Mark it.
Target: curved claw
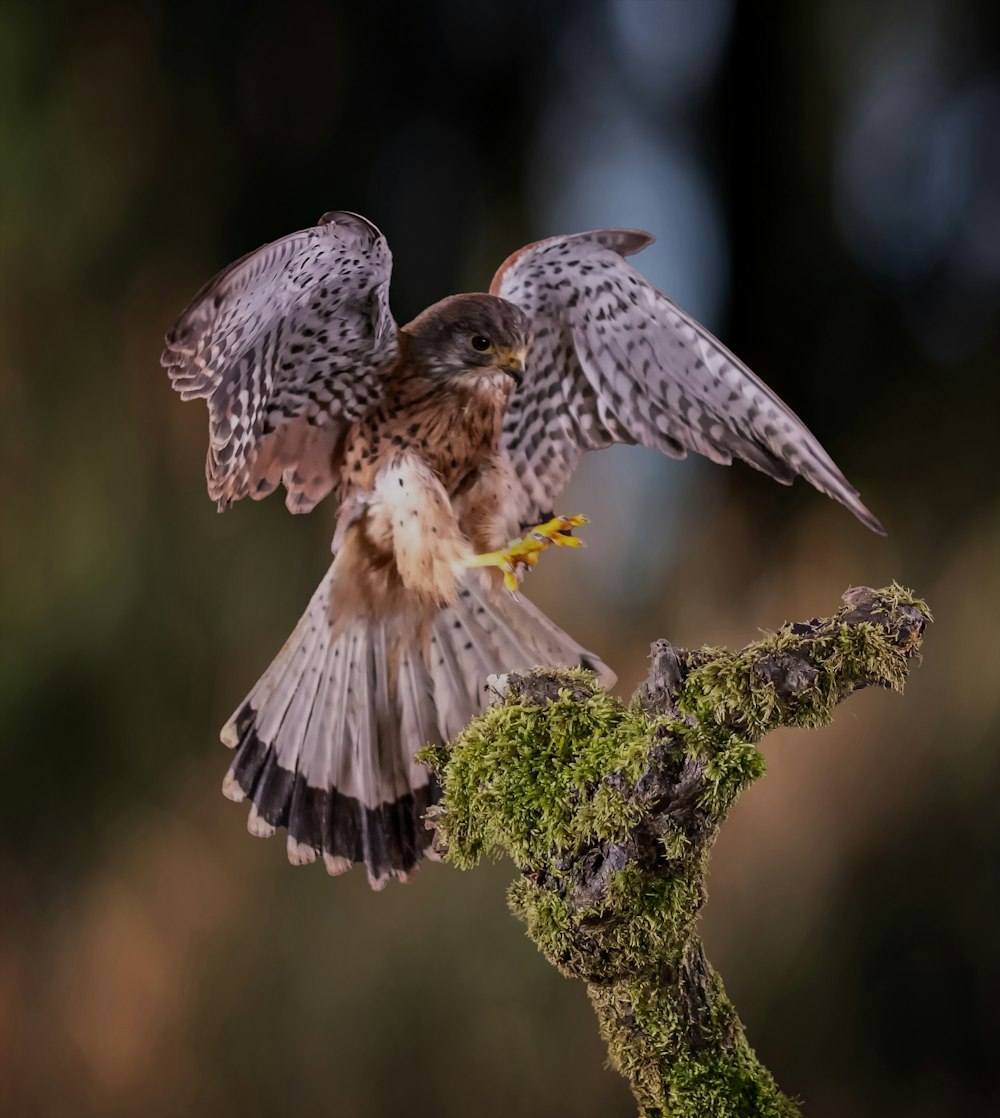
(522, 554)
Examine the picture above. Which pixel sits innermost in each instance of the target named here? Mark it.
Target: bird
(447, 443)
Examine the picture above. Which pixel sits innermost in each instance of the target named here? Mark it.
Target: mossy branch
(609, 811)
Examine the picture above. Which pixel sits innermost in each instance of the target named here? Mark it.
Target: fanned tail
(326, 739)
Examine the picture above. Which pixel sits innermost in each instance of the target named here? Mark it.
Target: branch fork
(609, 813)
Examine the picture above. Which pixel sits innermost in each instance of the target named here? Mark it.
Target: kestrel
(447, 443)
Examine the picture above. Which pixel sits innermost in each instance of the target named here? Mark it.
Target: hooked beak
(512, 363)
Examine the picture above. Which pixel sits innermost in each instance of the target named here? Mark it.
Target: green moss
(725, 1085)
(675, 843)
(549, 922)
(729, 690)
(650, 916)
(684, 1060)
(642, 920)
(895, 596)
(727, 773)
(530, 781)
(863, 652)
(725, 689)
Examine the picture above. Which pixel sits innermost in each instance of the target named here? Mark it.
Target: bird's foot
(557, 530)
(521, 554)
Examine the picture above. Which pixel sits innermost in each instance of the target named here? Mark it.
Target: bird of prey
(447, 443)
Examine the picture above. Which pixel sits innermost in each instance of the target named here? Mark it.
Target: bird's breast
(454, 429)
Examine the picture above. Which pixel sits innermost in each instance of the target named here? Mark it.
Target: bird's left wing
(614, 360)
(286, 347)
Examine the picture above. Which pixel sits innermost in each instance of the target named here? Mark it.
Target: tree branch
(609, 812)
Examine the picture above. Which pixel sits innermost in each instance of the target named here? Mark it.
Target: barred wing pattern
(614, 360)
(285, 346)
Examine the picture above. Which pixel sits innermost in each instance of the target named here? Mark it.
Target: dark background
(824, 181)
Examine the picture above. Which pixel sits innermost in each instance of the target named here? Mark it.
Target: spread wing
(286, 346)
(614, 360)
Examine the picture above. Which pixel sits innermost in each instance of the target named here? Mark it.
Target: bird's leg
(521, 554)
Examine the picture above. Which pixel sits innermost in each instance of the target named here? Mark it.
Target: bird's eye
(481, 343)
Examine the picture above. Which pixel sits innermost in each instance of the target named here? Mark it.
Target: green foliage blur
(826, 176)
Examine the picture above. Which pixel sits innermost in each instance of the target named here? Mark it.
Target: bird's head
(468, 335)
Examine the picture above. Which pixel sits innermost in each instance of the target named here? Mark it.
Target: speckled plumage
(286, 346)
(436, 452)
(614, 360)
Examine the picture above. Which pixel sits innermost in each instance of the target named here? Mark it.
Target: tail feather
(375, 787)
(317, 742)
(419, 722)
(325, 741)
(302, 703)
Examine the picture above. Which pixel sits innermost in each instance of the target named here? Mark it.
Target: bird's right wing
(286, 347)
(614, 360)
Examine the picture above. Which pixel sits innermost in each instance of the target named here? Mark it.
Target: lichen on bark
(609, 812)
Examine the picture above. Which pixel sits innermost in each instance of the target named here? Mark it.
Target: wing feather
(286, 346)
(613, 359)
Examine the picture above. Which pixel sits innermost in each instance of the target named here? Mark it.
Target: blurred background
(824, 182)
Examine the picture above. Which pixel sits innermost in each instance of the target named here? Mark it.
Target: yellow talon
(524, 551)
(554, 531)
